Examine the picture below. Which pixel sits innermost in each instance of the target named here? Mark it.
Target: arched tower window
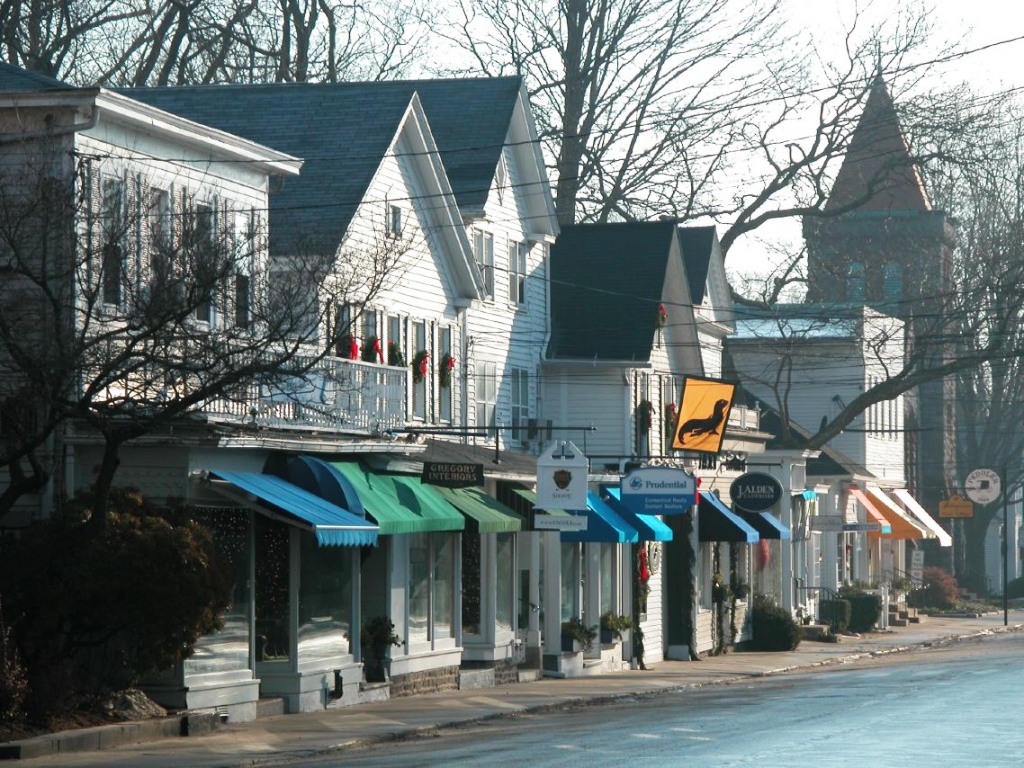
(892, 282)
(855, 282)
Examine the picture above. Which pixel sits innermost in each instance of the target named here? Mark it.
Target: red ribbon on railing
(353, 348)
(379, 350)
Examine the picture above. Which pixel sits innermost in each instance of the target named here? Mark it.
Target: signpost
(562, 477)
(983, 486)
(956, 506)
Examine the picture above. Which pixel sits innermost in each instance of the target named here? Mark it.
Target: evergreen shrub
(865, 610)
(938, 590)
(835, 613)
(772, 626)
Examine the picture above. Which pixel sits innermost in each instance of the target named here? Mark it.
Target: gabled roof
(697, 243)
(607, 281)
(343, 130)
(341, 133)
(878, 163)
(16, 79)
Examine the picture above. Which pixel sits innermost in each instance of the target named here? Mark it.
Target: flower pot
(607, 636)
(569, 645)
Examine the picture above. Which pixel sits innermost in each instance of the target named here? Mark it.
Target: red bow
(353, 348)
(377, 348)
(451, 363)
(645, 574)
(423, 364)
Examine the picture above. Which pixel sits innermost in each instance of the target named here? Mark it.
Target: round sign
(982, 486)
(755, 492)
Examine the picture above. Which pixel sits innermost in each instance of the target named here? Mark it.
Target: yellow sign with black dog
(703, 413)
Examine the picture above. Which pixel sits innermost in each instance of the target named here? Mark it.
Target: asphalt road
(953, 707)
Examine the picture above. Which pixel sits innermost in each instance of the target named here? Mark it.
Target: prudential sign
(658, 491)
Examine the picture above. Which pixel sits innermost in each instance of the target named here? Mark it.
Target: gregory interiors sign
(658, 491)
(755, 492)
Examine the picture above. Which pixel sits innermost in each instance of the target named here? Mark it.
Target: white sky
(966, 24)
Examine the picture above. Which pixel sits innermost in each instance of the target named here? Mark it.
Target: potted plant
(613, 625)
(720, 591)
(740, 590)
(575, 632)
(376, 637)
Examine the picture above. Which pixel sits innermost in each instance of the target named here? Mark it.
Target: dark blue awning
(767, 525)
(716, 522)
(649, 527)
(332, 525)
(603, 524)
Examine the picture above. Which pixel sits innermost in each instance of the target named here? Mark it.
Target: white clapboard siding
(654, 625)
(580, 396)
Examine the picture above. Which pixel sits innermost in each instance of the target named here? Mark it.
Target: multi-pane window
(520, 384)
(242, 237)
(486, 394)
(203, 260)
(483, 248)
(112, 233)
(517, 273)
(431, 587)
(160, 236)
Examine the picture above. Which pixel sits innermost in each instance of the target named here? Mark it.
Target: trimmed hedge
(865, 610)
(835, 613)
(938, 590)
(772, 626)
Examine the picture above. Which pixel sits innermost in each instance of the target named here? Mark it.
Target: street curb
(108, 736)
(195, 724)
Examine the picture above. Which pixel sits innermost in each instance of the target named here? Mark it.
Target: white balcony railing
(337, 395)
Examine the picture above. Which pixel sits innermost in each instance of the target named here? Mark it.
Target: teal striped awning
(649, 527)
(332, 525)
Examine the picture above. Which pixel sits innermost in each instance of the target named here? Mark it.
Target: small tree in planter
(376, 637)
(575, 631)
(613, 625)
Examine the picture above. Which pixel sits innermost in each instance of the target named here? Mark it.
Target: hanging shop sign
(559, 522)
(755, 492)
(658, 491)
(703, 413)
(827, 523)
(451, 475)
(956, 506)
(562, 477)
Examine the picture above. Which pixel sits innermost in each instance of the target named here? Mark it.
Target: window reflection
(273, 640)
(506, 581)
(325, 599)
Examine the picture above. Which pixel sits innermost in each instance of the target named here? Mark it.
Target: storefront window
(419, 587)
(444, 584)
(227, 649)
(504, 608)
(607, 558)
(471, 569)
(273, 639)
(570, 581)
(325, 600)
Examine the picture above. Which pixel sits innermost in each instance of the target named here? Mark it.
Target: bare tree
(177, 42)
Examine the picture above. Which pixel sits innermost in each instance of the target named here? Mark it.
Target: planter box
(569, 645)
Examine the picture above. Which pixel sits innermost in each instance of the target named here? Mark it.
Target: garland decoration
(419, 365)
(372, 351)
(444, 370)
(353, 346)
(395, 356)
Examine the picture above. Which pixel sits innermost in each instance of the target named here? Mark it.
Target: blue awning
(649, 527)
(332, 525)
(603, 524)
(716, 522)
(767, 525)
(806, 495)
(321, 479)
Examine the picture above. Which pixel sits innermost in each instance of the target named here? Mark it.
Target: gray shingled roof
(16, 79)
(697, 243)
(342, 130)
(606, 284)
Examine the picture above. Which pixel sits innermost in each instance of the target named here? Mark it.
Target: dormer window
(483, 250)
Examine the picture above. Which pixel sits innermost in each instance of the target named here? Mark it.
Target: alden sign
(755, 492)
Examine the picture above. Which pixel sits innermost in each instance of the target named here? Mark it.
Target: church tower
(879, 242)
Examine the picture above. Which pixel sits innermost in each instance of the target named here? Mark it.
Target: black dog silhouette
(706, 426)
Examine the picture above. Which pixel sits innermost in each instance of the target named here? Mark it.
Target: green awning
(401, 503)
(486, 514)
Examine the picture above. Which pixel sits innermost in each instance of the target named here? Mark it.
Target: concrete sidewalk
(289, 736)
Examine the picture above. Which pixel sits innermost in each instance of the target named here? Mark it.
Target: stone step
(269, 707)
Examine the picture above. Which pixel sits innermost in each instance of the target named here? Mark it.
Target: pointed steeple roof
(878, 165)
